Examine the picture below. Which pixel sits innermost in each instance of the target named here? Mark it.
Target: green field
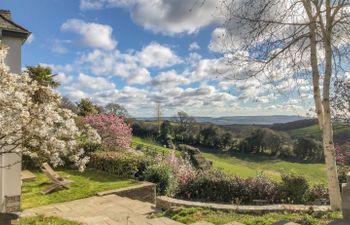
(340, 131)
(250, 165)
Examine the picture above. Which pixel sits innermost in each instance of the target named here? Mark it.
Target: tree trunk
(327, 129)
(331, 167)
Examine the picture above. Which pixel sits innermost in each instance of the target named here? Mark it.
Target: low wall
(346, 198)
(164, 202)
(145, 192)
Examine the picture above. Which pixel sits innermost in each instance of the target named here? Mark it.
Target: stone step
(135, 206)
(164, 221)
(202, 223)
(234, 223)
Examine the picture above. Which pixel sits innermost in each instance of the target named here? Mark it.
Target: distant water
(227, 120)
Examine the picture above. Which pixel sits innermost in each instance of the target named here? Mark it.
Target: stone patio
(106, 210)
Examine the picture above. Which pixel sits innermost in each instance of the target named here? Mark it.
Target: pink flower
(114, 132)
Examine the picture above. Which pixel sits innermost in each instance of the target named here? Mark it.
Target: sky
(140, 52)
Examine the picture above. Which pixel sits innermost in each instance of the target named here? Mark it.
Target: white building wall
(13, 59)
(10, 178)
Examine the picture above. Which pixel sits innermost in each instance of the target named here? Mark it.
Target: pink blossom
(114, 132)
(339, 155)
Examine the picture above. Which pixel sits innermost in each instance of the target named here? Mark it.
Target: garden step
(135, 206)
(234, 223)
(164, 221)
(202, 223)
(285, 222)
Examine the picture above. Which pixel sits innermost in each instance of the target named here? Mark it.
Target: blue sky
(139, 52)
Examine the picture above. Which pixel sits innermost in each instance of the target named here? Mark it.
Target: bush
(162, 176)
(90, 148)
(293, 188)
(317, 193)
(121, 164)
(216, 186)
(342, 173)
(188, 149)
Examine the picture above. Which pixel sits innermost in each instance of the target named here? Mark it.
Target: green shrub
(90, 148)
(342, 173)
(293, 188)
(317, 193)
(162, 176)
(121, 164)
(216, 186)
(188, 149)
(29, 164)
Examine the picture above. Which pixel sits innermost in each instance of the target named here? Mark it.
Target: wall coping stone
(116, 191)
(145, 192)
(165, 202)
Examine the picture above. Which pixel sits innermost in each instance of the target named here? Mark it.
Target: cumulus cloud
(93, 35)
(85, 82)
(164, 16)
(134, 66)
(194, 46)
(156, 55)
(169, 79)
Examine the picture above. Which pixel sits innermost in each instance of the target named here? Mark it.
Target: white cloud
(156, 55)
(93, 35)
(169, 79)
(85, 82)
(139, 76)
(99, 4)
(164, 16)
(133, 66)
(194, 46)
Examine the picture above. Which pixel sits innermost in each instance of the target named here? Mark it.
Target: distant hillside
(249, 120)
(294, 125)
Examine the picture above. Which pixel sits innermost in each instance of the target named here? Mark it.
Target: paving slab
(103, 210)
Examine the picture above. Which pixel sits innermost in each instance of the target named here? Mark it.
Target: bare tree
(116, 109)
(301, 40)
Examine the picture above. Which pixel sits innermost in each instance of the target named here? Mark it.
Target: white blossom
(38, 126)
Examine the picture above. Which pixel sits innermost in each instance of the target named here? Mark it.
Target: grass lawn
(148, 143)
(40, 220)
(191, 215)
(249, 165)
(84, 185)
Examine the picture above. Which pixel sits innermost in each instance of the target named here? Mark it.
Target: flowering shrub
(181, 168)
(115, 133)
(216, 186)
(339, 155)
(33, 123)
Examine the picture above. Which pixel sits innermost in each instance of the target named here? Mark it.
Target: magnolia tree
(114, 132)
(33, 123)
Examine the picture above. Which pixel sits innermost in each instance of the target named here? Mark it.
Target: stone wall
(346, 198)
(164, 202)
(145, 192)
